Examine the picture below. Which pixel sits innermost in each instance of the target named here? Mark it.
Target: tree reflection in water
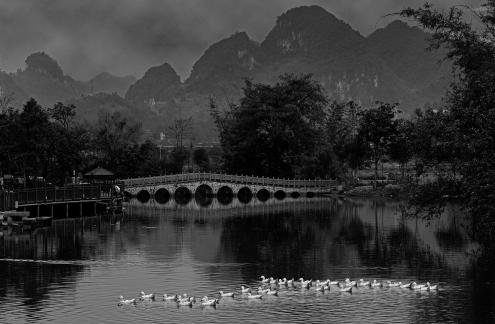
(312, 238)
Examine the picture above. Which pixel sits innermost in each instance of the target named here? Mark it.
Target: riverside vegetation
(293, 129)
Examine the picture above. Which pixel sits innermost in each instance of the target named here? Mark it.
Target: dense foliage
(276, 130)
(464, 128)
(47, 145)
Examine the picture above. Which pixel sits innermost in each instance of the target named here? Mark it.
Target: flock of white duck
(271, 286)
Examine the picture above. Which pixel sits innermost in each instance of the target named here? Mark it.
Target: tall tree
(114, 140)
(33, 133)
(377, 129)
(275, 130)
(470, 104)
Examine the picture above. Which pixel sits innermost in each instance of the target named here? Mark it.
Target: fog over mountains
(392, 64)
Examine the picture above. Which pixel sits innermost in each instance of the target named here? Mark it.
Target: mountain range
(392, 64)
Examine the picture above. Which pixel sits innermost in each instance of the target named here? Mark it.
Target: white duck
(186, 298)
(416, 286)
(249, 295)
(143, 296)
(346, 289)
(263, 291)
(172, 297)
(185, 302)
(209, 302)
(305, 283)
(272, 292)
(406, 285)
(273, 281)
(123, 301)
(348, 282)
(290, 282)
(245, 290)
(264, 280)
(282, 282)
(430, 287)
(392, 284)
(320, 288)
(361, 282)
(375, 284)
(335, 283)
(226, 294)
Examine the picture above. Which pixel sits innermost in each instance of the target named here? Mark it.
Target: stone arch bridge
(182, 187)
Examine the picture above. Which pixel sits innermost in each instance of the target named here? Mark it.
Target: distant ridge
(392, 65)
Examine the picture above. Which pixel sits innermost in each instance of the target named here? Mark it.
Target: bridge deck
(226, 178)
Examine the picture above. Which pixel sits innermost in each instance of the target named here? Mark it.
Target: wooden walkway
(11, 200)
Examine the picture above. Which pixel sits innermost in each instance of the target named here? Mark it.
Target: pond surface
(74, 271)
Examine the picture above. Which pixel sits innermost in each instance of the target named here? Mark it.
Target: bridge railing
(239, 179)
(52, 195)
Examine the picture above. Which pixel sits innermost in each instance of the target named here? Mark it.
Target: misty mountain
(406, 51)
(223, 67)
(9, 88)
(44, 80)
(391, 65)
(90, 107)
(159, 83)
(108, 83)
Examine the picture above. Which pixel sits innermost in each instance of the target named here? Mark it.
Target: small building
(99, 175)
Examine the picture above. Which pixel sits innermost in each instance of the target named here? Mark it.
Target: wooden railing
(36, 196)
(226, 178)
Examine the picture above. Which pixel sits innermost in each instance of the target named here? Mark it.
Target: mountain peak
(232, 57)
(165, 70)
(157, 83)
(309, 28)
(40, 62)
(398, 24)
(305, 12)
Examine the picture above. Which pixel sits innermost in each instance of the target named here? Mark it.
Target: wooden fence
(47, 195)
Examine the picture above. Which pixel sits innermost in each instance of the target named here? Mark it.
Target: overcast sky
(128, 36)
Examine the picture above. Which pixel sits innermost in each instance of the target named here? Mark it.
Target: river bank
(387, 191)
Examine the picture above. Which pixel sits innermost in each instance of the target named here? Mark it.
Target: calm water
(75, 270)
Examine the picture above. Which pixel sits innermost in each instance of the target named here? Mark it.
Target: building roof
(99, 172)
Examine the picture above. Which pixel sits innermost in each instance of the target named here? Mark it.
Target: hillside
(391, 65)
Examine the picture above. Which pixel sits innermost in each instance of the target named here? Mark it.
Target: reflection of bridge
(183, 186)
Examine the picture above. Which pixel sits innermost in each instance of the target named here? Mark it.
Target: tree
(180, 129)
(343, 125)
(115, 138)
(6, 100)
(377, 128)
(33, 134)
(201, 159)
(401, 149)
(177, 159)
(64, 114)
(470, 106)
(275, 130)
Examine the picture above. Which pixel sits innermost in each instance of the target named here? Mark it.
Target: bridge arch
(162, 196)
(280, 194)
(203, 195)
(182, 195)
(295, 194)
(244, 195)
(143, 196)
(263, 195)
(225, 195)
